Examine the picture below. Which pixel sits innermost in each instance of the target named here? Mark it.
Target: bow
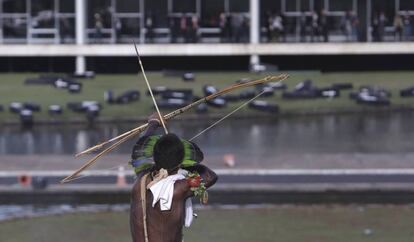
(129, 134)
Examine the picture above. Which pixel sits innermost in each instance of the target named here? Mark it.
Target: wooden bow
(129, 134)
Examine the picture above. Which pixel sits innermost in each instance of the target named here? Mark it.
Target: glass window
(66, 6)
(159, 10)
(386, 6)
(304, 5)
(406, 5)
(42, 14)
(290, 25)
(270, 6)
(15, 6)
(239, 6)
(67, 30)
(127, 6)
(130, 27)
(41, 6)
(291, 6)
(14, 28)
(184, 6)
(340, 5)
(319, 5)
(210, 12)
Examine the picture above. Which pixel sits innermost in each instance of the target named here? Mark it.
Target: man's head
(168, 152)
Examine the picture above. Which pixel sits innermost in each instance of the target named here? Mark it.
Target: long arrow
(150, 90)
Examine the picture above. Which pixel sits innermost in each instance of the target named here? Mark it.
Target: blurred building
(79, 28)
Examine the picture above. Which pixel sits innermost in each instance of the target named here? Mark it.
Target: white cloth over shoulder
(163, 192)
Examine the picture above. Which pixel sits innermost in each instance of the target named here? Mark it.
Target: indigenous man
(161, 195)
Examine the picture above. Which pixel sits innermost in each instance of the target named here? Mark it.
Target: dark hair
(168, 152)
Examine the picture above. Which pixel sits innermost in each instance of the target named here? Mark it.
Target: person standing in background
(323, 23)
(382, 21)
(407, 27)
(303, 27)
(98, 27)
(354, 26)
(398, 27)
(183, 28)
(315, 26)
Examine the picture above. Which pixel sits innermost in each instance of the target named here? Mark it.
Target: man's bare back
(164, 226)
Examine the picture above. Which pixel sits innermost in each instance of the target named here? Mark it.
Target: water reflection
(368, 133)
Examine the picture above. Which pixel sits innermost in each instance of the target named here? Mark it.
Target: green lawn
(286, 224)
(13, 89)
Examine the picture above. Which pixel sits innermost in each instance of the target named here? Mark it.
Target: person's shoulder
(181, 188)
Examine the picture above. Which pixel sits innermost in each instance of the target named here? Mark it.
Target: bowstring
(229, 114)
(108, 169)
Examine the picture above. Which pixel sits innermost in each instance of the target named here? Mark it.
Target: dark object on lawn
(329, 92)
(188, 76)
(172, 103)
(82, 106)
(34, 107)
(44, 79)
(209, 89)
(343, 86)
(62, 83)
(305, 85)
(264, 106)
(277, 85)
(86, 74)
(92, 111)
(15, 107)
(55, 109)
(217, 103)
(243, 80)
(37, 81)
(375, 96)
(366, 98)
(1, 108)
(157, 90)
(267, 91)
(109, 96)
(376, 89)
(26, 117)
(202, 108)
(186, 94)
(247, 94)
(306, 89)
(75, 87)
(407, 92)
(231, 97)
(128, 96)
(39, 183)
(371, 90)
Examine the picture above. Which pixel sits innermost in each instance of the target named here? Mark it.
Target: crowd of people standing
(315, 26)
(401, 27)
(312, 26)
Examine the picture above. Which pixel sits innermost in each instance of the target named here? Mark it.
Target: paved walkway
(283, 161)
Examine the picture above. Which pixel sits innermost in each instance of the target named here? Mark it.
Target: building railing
(19, 27)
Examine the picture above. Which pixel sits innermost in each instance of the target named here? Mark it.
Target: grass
(287, 224)
(12, 89)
